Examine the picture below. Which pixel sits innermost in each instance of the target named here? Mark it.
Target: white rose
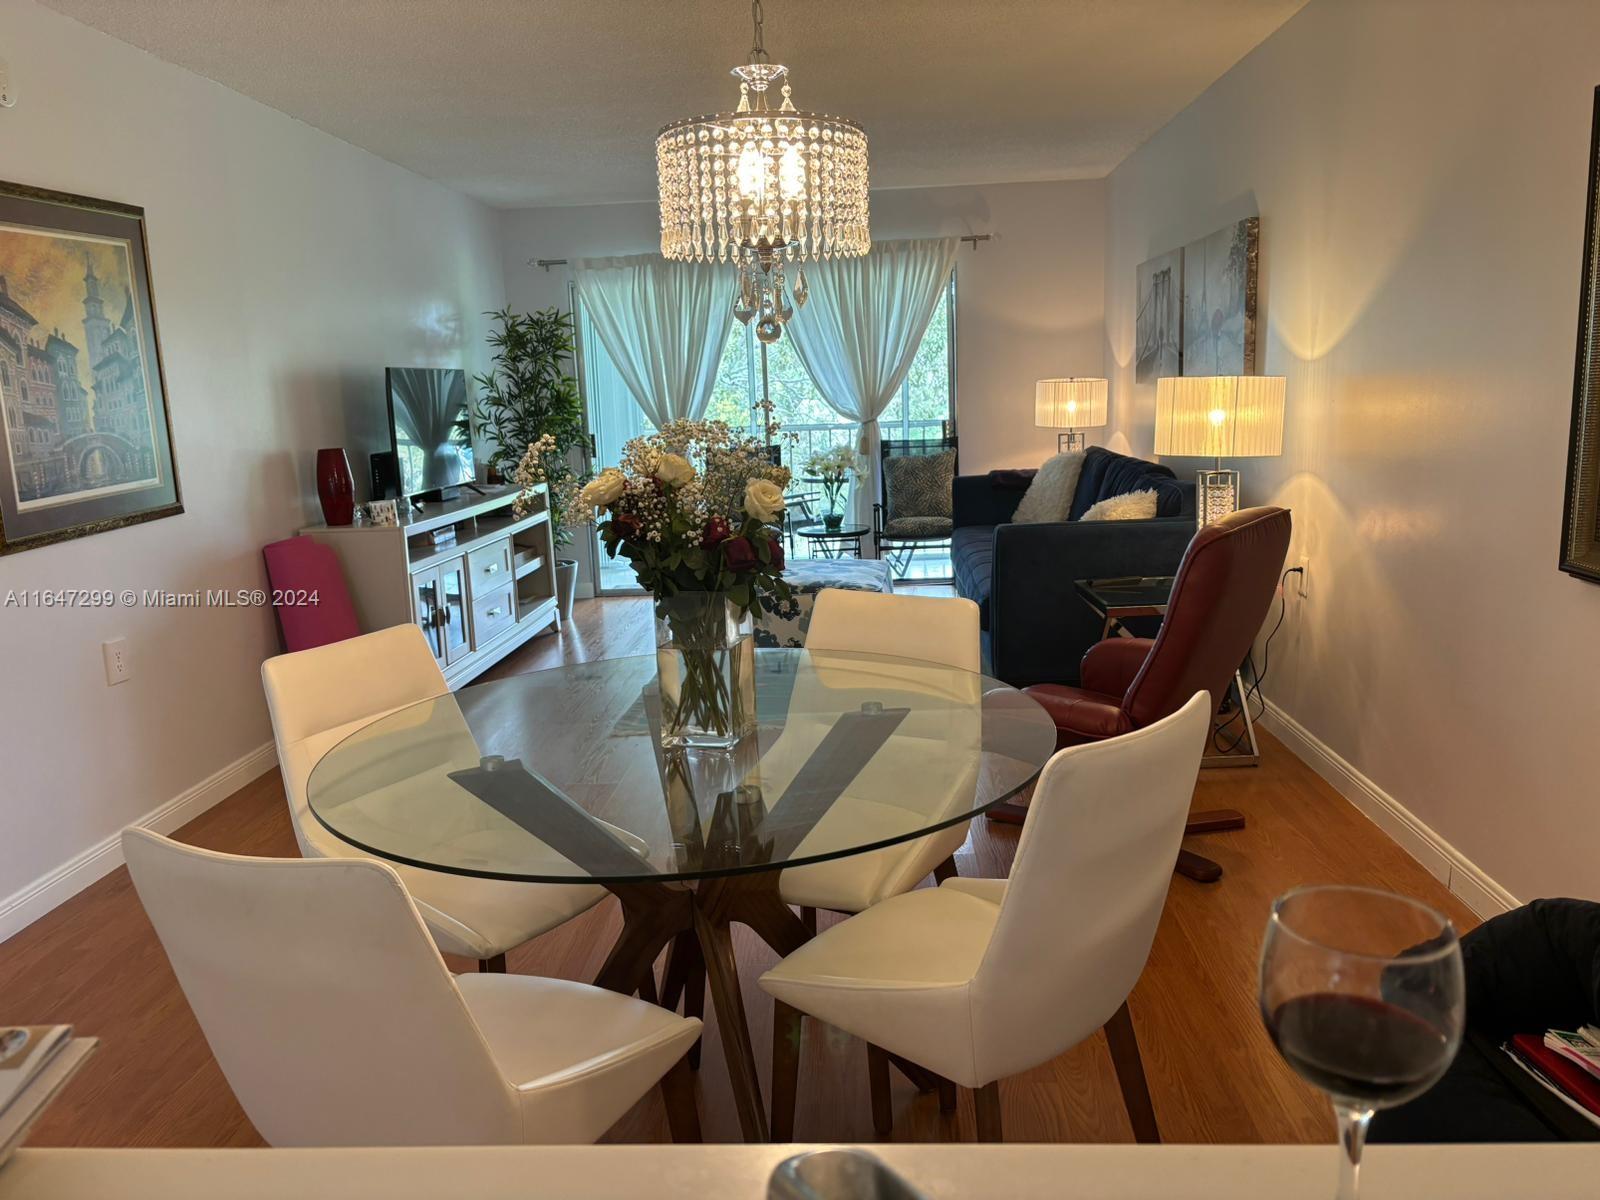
(763, 499)
(603, 489)
(674, 470)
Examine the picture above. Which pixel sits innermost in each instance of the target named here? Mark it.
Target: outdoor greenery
(531, 394)
(925, 396)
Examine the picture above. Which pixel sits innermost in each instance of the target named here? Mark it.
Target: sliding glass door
(614, 418)
(925, 404)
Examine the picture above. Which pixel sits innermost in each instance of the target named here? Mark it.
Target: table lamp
(1219, 416)
(1071, 404)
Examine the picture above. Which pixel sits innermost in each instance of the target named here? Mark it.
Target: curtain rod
(547, 263)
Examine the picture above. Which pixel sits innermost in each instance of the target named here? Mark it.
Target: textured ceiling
(520, 102)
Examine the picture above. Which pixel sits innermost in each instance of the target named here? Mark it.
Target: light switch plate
(7, 96)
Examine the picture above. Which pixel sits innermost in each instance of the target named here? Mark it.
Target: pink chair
(317, 608)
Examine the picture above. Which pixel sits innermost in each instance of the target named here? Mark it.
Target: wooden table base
(695, 921)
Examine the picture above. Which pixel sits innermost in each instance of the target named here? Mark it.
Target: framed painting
(1157, 333)
(1219, 301)
(83, 400)
(1580, 524)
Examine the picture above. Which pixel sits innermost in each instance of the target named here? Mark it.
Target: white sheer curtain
(662, 324)
(860, 331)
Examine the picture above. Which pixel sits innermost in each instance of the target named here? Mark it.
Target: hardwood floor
(1213, 1074)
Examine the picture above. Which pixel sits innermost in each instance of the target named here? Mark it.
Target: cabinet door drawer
(489, 567)
(492, 614)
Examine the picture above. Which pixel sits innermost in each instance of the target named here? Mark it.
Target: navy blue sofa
(1036, 628)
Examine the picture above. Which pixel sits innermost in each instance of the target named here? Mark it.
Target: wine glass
(1362, 992)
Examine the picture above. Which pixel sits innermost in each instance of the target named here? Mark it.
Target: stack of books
(35, 1063)
(1566, 1064)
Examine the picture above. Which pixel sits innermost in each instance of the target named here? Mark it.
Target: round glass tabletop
(558, 776)
(822, 531)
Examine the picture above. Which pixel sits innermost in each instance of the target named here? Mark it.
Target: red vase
(335, 488)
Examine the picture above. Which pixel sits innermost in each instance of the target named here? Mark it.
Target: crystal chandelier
(765, 190)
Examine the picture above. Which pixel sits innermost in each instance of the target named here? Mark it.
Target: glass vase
(705, 662)
(833, 496)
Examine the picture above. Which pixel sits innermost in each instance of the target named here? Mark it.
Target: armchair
(1220, 598)
(915, 505)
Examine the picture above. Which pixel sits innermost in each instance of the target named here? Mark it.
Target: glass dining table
(559, 777)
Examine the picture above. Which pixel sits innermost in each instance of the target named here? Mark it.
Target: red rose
(776, 547)
(739, 554)
(716, 531)
(626, 525)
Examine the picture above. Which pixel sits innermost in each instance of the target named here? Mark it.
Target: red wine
(1359, 1048)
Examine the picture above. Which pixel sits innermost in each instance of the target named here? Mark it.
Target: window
(925, 402)
(926, 399)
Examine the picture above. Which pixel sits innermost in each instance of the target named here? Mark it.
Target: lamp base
(1216, 495)
(1071, 440)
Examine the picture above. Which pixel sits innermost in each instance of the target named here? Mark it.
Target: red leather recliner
(1220, 598)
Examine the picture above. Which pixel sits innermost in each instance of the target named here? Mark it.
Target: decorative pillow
(1132, 506)
(1049, 496)
(919, 485)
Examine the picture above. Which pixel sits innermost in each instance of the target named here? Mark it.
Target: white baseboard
(23, 907)
(1444, 862)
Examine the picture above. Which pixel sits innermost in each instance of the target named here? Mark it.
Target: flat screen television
(430, 430)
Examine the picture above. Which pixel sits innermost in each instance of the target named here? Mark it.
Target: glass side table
(833, 543)
(1119, 601)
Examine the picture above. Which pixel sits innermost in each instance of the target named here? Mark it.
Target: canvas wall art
(1580, 526)
(1157, 332)
(1219, 301)
(83, 404)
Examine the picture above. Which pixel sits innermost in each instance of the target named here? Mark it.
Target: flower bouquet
(693, 509)
(833, 468)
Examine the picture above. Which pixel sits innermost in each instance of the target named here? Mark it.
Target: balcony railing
(800, 442)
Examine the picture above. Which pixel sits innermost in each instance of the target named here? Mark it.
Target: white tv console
(478, 580)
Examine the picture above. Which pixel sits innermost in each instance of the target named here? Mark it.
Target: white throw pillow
(1049, 494)
(1134, 506)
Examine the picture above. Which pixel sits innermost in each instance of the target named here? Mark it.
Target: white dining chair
(979, 979)
(337, 1023)
(928, 629)
(319, 697)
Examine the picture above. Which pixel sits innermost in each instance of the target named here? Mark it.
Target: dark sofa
(1035, 627)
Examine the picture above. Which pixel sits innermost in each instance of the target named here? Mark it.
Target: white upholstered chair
(319, 697)
(930, 629)
(979, 979)
(336, 1022)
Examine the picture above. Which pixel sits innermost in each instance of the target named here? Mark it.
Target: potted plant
(530, 399)
(833, 468)
(694, 509)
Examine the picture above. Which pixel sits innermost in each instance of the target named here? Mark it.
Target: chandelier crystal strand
(766, 189)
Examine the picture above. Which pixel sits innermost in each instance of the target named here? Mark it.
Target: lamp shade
(1220, 416)
(1069, 403)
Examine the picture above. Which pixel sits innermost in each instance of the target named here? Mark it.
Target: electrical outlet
(8, 96)
(1303, 579)
(119, 669)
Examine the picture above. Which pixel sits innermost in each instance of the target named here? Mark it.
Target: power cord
(1252, 690)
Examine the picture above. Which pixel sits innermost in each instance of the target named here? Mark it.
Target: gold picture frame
(85, 429)
(1580, 523)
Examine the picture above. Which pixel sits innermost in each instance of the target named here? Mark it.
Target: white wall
(1419, 170)
(1029, 302)
(289, 268)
